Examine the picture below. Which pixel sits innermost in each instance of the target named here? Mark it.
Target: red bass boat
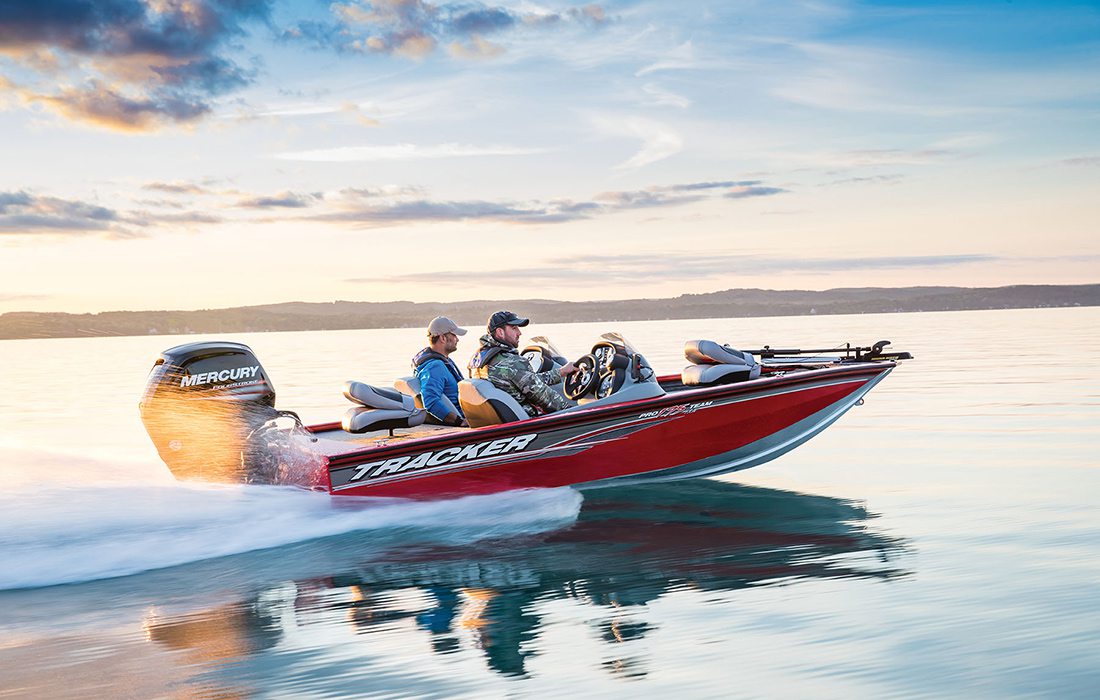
(210, 409)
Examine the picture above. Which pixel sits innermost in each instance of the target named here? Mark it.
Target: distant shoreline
(732, 303)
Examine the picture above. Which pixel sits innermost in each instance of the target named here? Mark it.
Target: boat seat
(484, 404)
(364, 420)
(379, 409)
(410, 386)
(713, 364)
(377, 397)
(708, 352)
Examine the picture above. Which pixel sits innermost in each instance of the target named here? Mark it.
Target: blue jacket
(439, 378)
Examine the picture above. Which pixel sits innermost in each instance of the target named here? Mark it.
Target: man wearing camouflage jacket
(498, 361)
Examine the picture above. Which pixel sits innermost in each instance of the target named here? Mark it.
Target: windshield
(545, 342)
(618, 339)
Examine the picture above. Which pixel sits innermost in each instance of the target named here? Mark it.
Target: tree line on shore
(732, 303)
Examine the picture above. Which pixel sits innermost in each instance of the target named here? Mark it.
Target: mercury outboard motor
(201, 403)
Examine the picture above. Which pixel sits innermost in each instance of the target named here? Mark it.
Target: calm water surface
(942, 540)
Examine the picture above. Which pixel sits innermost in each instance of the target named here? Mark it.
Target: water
(942, 540)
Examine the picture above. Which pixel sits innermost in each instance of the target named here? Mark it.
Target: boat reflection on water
(629, 547)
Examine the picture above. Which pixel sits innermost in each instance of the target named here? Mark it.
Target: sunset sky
(182, 154)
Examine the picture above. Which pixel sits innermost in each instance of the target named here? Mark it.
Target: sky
(186, 154)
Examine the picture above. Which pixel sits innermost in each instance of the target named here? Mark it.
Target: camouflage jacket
(511, 373)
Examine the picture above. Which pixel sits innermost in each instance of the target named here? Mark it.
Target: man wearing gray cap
(438, 375)
(498, 361)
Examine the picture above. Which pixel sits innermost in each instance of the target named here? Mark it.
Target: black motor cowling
(201, 402)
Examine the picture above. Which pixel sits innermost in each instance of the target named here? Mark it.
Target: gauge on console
(605, 354)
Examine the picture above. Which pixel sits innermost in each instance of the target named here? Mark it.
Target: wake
(84, 532)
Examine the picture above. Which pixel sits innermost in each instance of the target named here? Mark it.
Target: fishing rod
(871, 352)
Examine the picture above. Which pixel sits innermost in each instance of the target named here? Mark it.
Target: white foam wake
(67, 534)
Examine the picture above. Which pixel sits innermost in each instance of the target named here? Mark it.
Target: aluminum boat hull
(689, 432)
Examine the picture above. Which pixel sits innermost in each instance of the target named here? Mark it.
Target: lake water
(942, 540)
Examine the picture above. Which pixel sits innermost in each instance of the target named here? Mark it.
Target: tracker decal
(448, 456)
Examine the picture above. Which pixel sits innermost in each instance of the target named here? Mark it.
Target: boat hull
(684, 434)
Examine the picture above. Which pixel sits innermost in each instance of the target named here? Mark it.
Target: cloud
(420, 99)
(680, 58)
(360, 193)
(357, 113)
(1083, 161)
(746, 191)
(853, 78)
(878, 157)
(693, 186)
(936, 80)
(149, 219)
(475, 48)
(177, 188)
(284, 200)
(426, 211)
(26, 214)
(664, 195)
(22, 213)
(415, 28)
(485, 20)
(875, 157)
(658, 140)
(886, 179)
(672, 195)
(629, 269)
(100, 105)
(642, 199)
(660, 97)
(376, 208)
(126, 27)
(8, 298)
(129, 65)
(404, 152)
(211, 75)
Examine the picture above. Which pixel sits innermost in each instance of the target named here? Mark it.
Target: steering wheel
(581, 381)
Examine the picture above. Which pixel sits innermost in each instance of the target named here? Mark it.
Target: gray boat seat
(717, 364)
(410, 386)
(708, 352)
(484, 404)
(364, 420)
(377, 397)
(379, 409)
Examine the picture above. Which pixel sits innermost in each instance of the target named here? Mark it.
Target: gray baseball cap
(441, 325)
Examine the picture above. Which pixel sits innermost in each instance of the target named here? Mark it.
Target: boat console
(613, 372)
